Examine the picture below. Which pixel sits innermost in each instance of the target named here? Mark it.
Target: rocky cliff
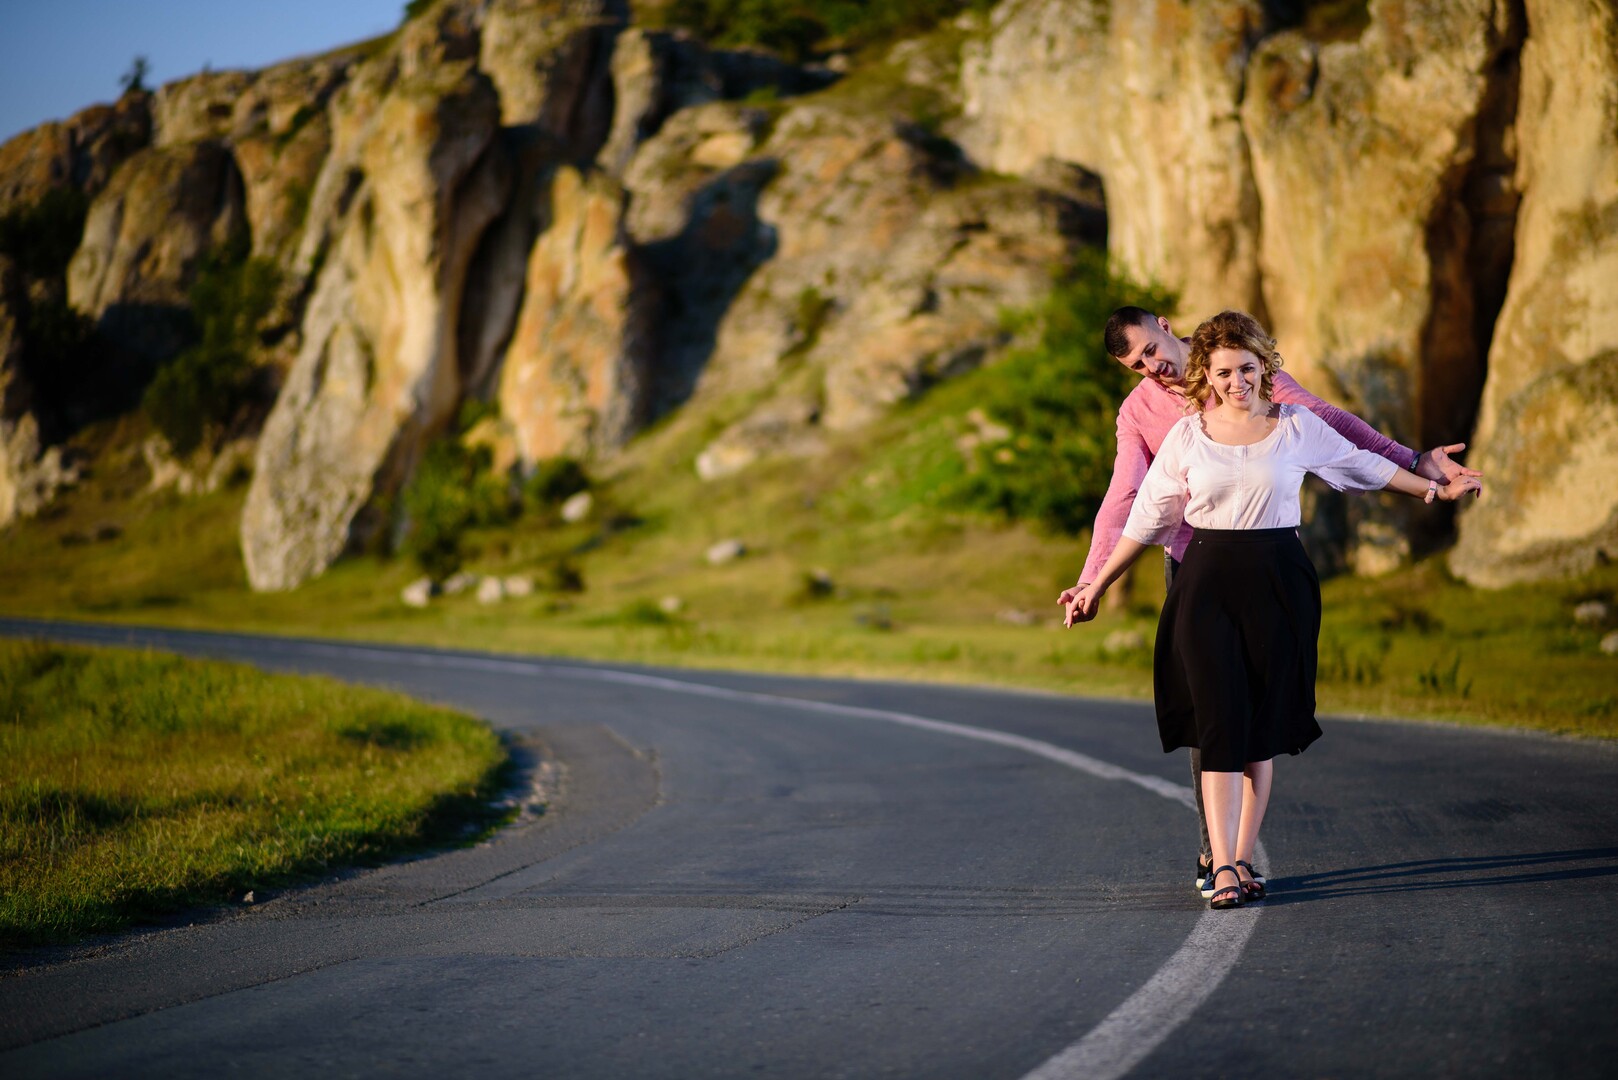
(590, 223)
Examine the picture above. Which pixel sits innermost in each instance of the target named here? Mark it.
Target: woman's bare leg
(1222, 799)
(1255, 800)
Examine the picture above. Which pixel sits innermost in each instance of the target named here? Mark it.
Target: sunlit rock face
(575, 373)
(1148, 96)
(884, 268)
(594, 223)
(1362, 151)
(1383, 170)
(1547, 430)
(377, 371)
(80, 152)
(145, 237)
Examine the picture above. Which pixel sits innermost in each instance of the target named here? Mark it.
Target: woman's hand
(1082, 603)
(1459, 487)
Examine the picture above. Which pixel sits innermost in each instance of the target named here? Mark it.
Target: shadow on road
(1424, 875)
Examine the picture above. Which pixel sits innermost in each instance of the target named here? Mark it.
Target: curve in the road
(1126, 1036)
(1131, 1031)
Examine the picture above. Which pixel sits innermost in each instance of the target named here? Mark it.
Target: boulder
(491, 590)
(1591, 613)
(1547, 432)
(377, 373)
(577, 507)
(785, 425)
(518, 585)
(459, 582)
(146, 234)
(418, 593)
(725, 551)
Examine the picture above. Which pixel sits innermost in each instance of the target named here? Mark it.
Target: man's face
(1155, 353)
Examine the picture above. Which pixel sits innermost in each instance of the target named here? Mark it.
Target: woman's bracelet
(1432, 491)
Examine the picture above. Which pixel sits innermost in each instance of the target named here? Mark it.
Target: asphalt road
(763, 876)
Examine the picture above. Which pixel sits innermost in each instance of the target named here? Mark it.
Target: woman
(1236, 646)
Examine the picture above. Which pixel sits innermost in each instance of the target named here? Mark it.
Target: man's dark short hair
(1115, 338)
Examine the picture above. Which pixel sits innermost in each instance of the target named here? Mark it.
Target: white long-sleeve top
(1210, 485)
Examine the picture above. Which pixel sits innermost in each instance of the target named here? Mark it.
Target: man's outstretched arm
(1434, 464)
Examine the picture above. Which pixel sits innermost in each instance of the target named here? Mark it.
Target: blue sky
(57, 56)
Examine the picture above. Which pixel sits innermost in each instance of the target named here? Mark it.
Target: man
(1145, 344)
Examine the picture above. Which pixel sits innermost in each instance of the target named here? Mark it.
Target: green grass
(134, 784)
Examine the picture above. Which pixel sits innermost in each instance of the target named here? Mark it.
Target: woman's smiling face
(1237, 378)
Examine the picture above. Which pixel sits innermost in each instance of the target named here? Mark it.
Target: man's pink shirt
(1144, 420)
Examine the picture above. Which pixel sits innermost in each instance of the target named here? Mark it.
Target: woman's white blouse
(1214, 486)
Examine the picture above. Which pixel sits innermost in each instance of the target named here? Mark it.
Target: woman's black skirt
(1237, 648)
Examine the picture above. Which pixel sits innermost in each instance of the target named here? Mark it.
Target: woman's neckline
(1280, 414)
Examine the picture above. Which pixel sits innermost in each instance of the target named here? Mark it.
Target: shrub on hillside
(797, 28)
(199, 392)
(1058, 398)
(453, 490)
(42, 237)
(553, 482)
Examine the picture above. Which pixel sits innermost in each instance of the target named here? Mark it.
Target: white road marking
(1127, 1034)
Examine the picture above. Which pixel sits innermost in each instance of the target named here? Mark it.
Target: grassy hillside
(919, 588)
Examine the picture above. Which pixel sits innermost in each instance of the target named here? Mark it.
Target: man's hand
(1081, 603)
(1436, 464)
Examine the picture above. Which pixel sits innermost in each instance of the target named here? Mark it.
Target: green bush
(553, 482)
(41, 238)
(797, 28)
(1059, 398)
(200, 391)
(453, 490)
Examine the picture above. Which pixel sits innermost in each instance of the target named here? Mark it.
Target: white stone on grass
(1591, 613)
(491, 590)
(577, 507)
(418, 592)
(726, 551)
(459, 582)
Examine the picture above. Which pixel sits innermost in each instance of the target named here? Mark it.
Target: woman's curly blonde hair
(1230, 330)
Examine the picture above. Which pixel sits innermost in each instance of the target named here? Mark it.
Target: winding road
(750, 875)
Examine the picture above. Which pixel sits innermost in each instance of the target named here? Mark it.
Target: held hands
(1436, 464)
(1081, 603)
(1459, 487)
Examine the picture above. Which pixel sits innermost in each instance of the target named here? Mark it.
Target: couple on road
(1213, 445)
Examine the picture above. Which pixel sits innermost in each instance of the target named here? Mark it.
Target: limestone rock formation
(377, 372)
(1547, 432)
(657, 73)
(574, 376)
(145, 236)
(1359, 150)
(548, 60)
(1148, 97)
(890, 268)
(81, 152)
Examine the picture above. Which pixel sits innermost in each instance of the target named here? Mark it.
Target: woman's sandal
(1236, 891)
(1254, 889)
